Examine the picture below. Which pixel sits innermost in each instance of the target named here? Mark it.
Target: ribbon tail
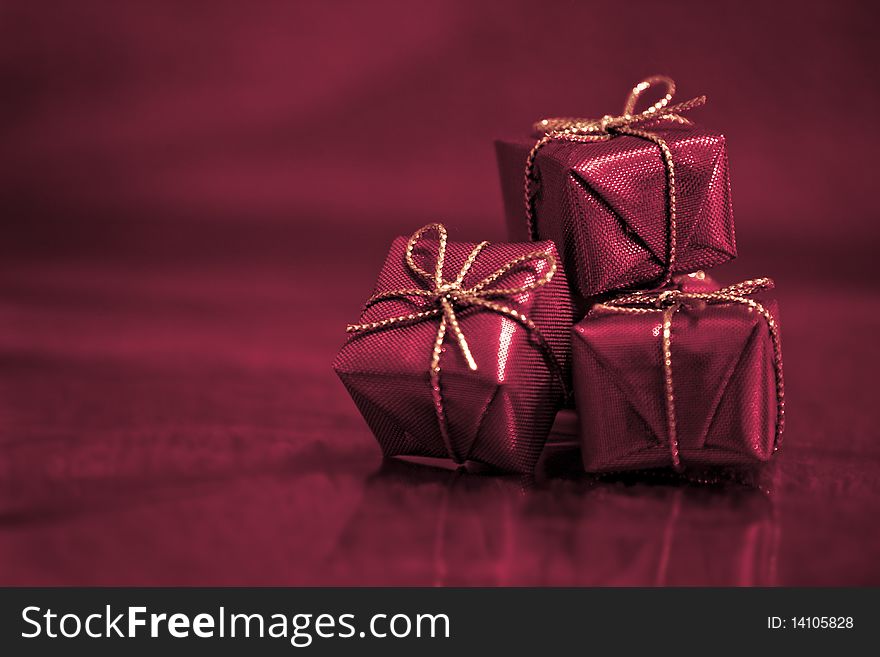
(668, 388)
(449, 316)
(437, 394)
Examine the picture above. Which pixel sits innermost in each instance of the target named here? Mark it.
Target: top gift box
(630, 200)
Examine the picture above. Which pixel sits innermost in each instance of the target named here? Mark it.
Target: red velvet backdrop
(197, 196)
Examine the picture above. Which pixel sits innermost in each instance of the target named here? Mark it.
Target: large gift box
(463, 350)
(678, 377)
(630, 200)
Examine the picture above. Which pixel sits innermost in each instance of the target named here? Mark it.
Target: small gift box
(630, 200)
(679, 377)
(462, 351)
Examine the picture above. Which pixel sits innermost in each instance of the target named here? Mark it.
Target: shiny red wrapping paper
(498, 415)
(723, 381)
(604, 204)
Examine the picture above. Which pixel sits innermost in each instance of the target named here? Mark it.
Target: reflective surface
(180, 424)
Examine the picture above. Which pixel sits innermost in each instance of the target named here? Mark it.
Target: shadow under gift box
(724, 385)
(604, 203)
(499, 414)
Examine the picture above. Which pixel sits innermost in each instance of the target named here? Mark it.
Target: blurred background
(172, 125)
(197, 197)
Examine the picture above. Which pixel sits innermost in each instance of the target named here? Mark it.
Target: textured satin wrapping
(724, 385)
(498, 415)
(604, 204)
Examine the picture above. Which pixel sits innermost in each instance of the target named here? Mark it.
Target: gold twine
(445, 296)
(587, 130)
(668, 302)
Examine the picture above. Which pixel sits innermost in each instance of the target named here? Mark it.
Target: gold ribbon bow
(445, 296)
(586, 130)
(668, 302)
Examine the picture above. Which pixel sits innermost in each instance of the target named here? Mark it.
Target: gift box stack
(599, 301)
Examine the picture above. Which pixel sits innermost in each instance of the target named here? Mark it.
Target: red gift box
(679, 377)
(463, 350)
(629, 200)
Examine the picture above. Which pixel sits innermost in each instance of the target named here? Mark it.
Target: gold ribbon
(587, 130)
(668, 302)
(445, 296)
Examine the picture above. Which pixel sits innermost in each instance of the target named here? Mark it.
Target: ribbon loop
(444, 296)
(669, 301)
(447, 294)
(751, 286)
(571, 126)
(434, 279)
(633, 98)
(484, 289)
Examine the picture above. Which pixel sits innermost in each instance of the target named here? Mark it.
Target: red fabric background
(197, 196)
